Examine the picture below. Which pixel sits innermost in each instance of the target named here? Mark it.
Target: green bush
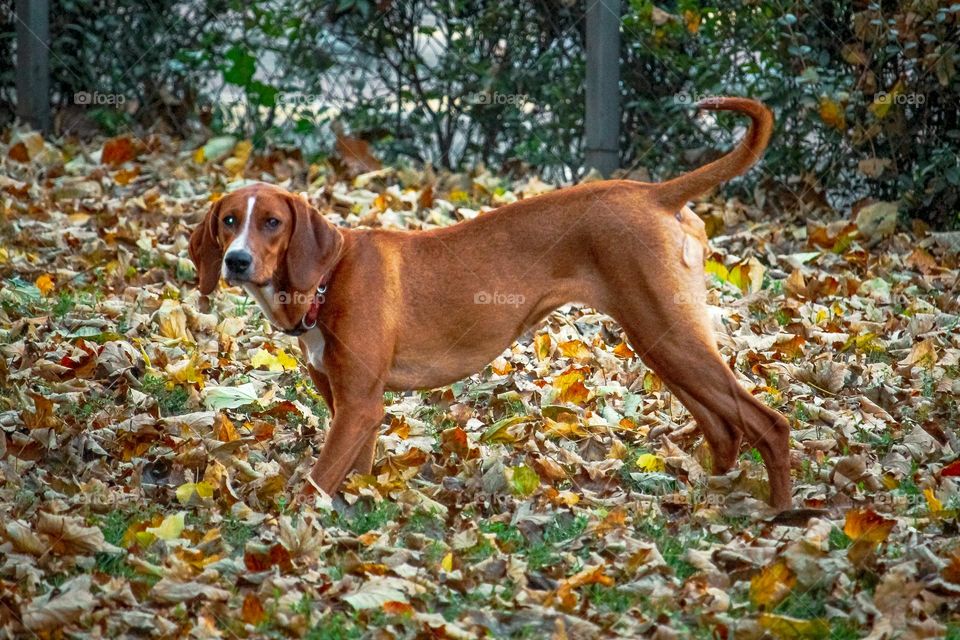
(866, 94)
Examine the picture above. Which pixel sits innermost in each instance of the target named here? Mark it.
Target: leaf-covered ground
(152, 445)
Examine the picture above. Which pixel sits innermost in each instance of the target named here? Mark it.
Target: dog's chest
(312, 344)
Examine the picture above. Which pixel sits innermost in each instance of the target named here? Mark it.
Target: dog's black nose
(238, 262)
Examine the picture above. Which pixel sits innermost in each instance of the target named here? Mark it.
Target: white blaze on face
(242, 241)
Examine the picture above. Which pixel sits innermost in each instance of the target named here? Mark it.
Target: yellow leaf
(789, 628)
(45, 284)
(882, 102)
(279, 361)
(747, 276)
(717, 269)
(571, 430)
(286, 360)
(773, 584)
(692, 20)
(447, 564)
(831, 113)
(867, 525)
(541, 346)
(241, 153)
(171, 527)
(933, 503)
(198, 155)
(650, 462)
(188, 371)
(571, 387)
(575, 349)
(652, 382)
(186, 491)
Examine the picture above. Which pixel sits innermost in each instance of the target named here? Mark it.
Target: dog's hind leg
(724, 440)
(672, 334)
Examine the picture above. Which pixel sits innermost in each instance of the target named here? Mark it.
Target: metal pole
(603, 86)
(33, 63)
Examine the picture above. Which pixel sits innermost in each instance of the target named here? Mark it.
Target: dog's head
(264, 236)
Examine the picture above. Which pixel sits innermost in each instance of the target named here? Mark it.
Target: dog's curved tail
(675, 193)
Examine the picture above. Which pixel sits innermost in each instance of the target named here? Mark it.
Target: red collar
(309, 320)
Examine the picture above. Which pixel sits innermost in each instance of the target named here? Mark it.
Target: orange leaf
(118, 150)
(623, 351)
(951, 572)
(252, 612)
(45, 284)
(501, 366)
(454, 440)
(832, 114)
(42, 415)
(224, 430)
(867, 525)
(591, 575)
(395, 608)
(124, 177)
(791, 348)
(276, 556)
(571, 387)
(773, 584)
(575, 349)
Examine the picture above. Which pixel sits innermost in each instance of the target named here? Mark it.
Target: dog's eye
(272, 223)
(229, 220)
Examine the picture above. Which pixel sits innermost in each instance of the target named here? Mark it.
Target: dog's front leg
(349, 441)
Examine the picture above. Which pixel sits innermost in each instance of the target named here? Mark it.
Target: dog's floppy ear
(314, 245)
(205, 249)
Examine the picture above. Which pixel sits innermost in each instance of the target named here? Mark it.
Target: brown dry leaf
(355, 155)
(59, 609)
(922, 353)
(69, 535)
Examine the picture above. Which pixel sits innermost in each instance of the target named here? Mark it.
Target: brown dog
(380, 310)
